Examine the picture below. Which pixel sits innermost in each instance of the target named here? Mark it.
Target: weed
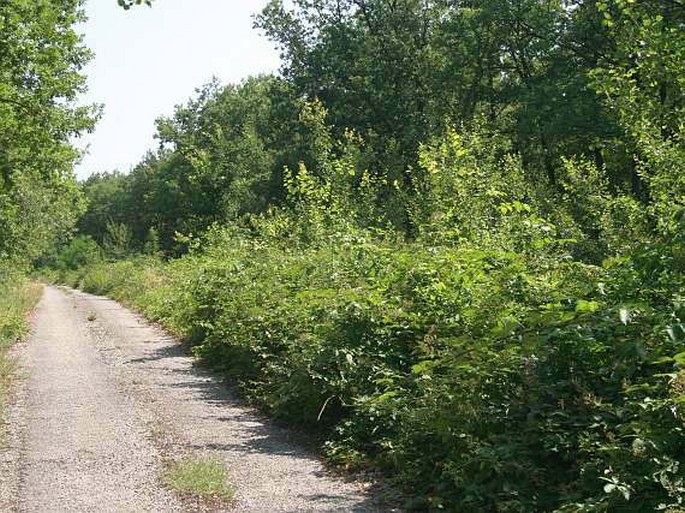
(205, 478)
(157, 432)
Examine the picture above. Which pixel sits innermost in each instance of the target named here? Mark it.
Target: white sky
(147, 60)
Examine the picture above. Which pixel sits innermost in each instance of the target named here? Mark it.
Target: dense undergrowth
(481, 365)
(483, 382)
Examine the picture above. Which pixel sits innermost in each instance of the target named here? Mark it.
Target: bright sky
(147, 60)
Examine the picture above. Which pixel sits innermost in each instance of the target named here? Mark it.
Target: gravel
(109, 398)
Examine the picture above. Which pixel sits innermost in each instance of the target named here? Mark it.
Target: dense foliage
(480, 365)
(449, 237)
(40, 61)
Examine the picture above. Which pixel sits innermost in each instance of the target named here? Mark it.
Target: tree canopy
(41, 57)
(127, 4)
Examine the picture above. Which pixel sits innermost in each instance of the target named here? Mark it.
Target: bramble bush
(480, 382)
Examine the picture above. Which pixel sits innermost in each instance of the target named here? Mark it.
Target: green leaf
(423, 367)
(680, 359)
(662, 360)
(583, 306)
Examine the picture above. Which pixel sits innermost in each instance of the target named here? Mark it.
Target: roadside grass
(17, 299)
(199, 477)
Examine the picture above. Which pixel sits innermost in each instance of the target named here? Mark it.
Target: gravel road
(107, 399)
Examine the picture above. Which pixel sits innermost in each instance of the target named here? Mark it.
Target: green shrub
(82, 250)
(482, 380)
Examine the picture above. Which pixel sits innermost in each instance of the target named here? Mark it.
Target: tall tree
(396, 71)
(643, 81)
(41, 57)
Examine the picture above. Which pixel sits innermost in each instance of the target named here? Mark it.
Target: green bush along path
(477, 378)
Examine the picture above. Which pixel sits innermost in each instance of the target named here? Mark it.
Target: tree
(643, 81)
(221, 157)
(41, 58)
(108, 202)
(127, 4)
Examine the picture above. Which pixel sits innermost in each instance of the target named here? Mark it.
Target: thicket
(449, 238)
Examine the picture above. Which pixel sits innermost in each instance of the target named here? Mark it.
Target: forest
(446, 237)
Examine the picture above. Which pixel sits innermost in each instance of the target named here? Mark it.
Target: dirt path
(108, 399)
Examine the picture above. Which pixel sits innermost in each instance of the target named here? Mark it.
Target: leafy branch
(127, 4)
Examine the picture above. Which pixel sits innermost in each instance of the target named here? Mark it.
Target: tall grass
(17, 298)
